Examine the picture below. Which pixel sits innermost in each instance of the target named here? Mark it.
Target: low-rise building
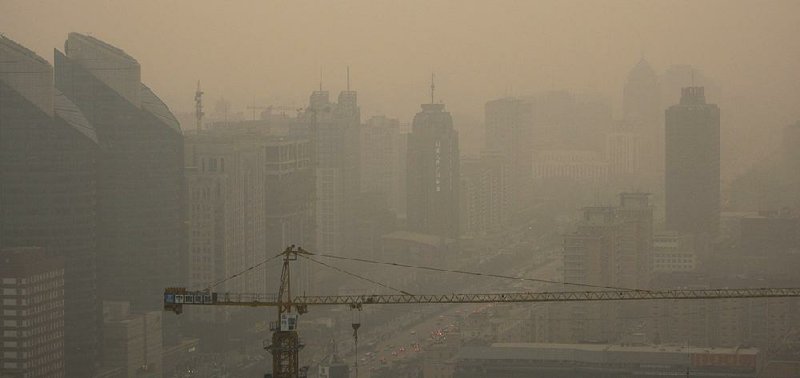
(132, 342)
(502, 360)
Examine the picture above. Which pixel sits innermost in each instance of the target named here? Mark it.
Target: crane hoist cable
(215, 284)
(493, 275)
(356, 275)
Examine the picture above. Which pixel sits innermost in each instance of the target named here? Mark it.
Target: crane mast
(285, 345)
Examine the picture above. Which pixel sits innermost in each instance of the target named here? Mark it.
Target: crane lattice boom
(175, 298)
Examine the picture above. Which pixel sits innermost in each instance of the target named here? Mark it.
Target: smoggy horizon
(274, 54)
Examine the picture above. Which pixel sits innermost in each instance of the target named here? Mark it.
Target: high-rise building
(693, 165)
(31, 313)
(140, 203)
(641, 110)
(484, 203)
(380, 160)
(433, 173)
(225, 192)
(611, 246)
(641, 95)
(289, 202)
(525, 128)
(333, 129)
(623, 154)
(509, 129)
(48, 156)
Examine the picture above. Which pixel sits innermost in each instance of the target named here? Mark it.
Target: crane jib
(175, 298)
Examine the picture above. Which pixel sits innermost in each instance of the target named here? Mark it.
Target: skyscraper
(509, 130)
(380, 140)
(433, 173)
(641, 108)
(693, 164)
(640, 96)
(48, 153)
(140, 179)
(333, 129)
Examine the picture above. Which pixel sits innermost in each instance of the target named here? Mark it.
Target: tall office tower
(791, 161)
(32, 313)
(692, 165)
(334, 131)
(380, 160)
(140, 181)
(289, 193)
(433, 173)
(641, 108)
(509, 130)
(641, 95)
(48, 154)
(225, 185)
(484, 205)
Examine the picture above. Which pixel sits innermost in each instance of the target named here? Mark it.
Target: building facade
(433, 173)
(32, 313)
(381, 160)
(333, 128)
(48, 157)
(141, 220)
(693, 165)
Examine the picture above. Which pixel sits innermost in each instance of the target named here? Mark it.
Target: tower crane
(285, 344)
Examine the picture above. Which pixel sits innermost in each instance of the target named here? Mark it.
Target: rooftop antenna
(433, 87)
(348, 78)
(692, 76)
(320, 79)
(198, 107)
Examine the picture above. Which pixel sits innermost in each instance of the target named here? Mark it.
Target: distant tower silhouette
(433, 172)
(693, 164)
(198, 108)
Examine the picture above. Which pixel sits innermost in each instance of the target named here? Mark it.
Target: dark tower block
(433, 173)
(693, 165)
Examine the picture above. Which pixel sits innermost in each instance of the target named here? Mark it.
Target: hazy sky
(273, 51)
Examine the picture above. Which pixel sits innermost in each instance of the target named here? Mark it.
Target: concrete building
(642, 112)
(673, 252)
(433, 173)
(623, 154)
(382, 161)
(611, 247)
(571, 165)
(48, 170)
(503, 360)
(140, 171)
(485, 206)
(226, 193)
(132, 342)
(256, 197)
(333, 129)
(770, 233)
(693, 165)
(509, 129)
(521, 127)
(641, 96)
(31, 313)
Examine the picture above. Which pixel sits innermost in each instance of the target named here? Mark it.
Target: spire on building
(433, 87)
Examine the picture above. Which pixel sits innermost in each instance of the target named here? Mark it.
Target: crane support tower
(286, 343)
